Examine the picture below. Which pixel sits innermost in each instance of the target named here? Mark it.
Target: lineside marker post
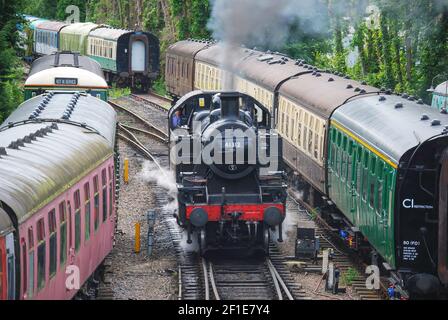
(126, 171)
(137, 237)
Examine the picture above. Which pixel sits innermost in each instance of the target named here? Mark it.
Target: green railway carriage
(385, 173)
(102, 47)
(440, 97)
(74, 37)
(66, 71)
(128, 58)
(124, 54)
(361, 181)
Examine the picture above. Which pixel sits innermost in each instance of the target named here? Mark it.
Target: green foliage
(349, 276)
(42, 8)
(115, 92)
(11, 71)
(159, 87)
(61, 6)
(54, 9)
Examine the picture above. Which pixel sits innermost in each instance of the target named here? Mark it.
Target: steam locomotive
(228, 166)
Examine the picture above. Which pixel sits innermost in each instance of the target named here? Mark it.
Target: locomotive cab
(227, 162)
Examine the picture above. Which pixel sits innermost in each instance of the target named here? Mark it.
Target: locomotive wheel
(202, 241)
(266, 239)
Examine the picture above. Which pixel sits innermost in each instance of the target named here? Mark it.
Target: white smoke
(151, 173)
(163, 178)
(263, 22)
(260, 23)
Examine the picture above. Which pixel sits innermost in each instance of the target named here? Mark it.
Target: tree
(10, 69)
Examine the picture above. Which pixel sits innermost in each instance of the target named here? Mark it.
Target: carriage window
(62, 233)
(350, 169)
(41, 253)
(111, 198)
(379, 205)
(96, 201)
(24, 266)
(30, 262)
(372, 194)
(87, 211)
(77, 221)
(53, 241)
(373, 165)
(104, 181)
(316, 146)
(365, 175)
(344, 165)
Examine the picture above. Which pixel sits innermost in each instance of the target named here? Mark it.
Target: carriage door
(10, 267)
(138, 56)
(443, 219)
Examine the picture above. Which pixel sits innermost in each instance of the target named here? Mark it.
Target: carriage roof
(55, 26)
(391, 130)
(52, 154)
(66, 59)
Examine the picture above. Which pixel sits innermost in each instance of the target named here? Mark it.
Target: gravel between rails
(138, 276)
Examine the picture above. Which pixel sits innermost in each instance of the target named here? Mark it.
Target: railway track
(232, 278)
(342, 258)
(249, 279)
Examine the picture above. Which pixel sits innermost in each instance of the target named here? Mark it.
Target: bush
(115, 92)
(348, 276)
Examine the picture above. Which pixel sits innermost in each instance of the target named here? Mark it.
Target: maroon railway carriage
(57, 194)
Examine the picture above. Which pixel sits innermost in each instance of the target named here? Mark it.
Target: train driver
(176, 121)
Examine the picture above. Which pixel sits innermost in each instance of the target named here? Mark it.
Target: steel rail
(282, 283)
(145, 151)
(154, 135)
(207, 289)
(213, 283)
(274, 279)
(115, 105)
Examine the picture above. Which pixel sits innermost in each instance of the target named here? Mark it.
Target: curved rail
(137, 144)
(117, 106)
(280, 280)
(275, 280)
(207, 289)
(154, 135)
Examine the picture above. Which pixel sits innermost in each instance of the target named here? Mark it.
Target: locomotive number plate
(66, 81)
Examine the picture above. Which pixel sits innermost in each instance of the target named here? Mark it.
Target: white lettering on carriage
(410, 204)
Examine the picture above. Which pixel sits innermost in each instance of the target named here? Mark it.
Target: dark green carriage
(361, 182)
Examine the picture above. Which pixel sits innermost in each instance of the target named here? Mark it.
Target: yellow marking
(137, 237)
(201, 102)
(126, 171)
(365, 144)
